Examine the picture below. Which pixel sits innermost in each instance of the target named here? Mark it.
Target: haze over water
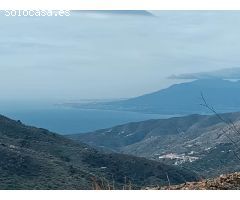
(51, 60)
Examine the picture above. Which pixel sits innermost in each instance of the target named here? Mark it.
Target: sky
(104, 55)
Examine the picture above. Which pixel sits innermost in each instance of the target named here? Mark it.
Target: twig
(169, 183)
(229, 124)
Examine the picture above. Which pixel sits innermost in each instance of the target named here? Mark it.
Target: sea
(68, 120)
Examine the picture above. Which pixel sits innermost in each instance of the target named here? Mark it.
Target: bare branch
(230, 124)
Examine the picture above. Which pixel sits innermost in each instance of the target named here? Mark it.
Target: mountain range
(181, 99)
(34, 158)
(151, 153)
(207, 144)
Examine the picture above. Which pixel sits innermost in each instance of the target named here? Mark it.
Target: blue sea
(67, 120)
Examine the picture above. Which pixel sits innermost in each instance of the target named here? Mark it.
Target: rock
(223, 182)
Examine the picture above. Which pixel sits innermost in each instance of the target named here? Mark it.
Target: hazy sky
(94, 55)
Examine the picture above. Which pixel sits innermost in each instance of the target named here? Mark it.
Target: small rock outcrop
(223, 182)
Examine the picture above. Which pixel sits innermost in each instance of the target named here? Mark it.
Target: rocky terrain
(223, 182)
(33, 158)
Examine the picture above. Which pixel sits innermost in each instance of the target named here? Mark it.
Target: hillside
(200, 142)
(184, 98)
(33, 158)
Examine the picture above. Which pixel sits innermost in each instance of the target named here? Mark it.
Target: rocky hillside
(33, 158)
(202, 142)
(223, 182)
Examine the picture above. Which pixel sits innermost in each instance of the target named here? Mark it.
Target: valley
(34, 158)
(202, 143)
(144, 151)
(119, 100)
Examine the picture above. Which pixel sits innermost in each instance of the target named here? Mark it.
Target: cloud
(230, 73)
(115, 12)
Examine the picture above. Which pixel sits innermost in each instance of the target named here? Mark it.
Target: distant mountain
(199, 142)
(228, 73)
(184, 98)
(33, 158)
